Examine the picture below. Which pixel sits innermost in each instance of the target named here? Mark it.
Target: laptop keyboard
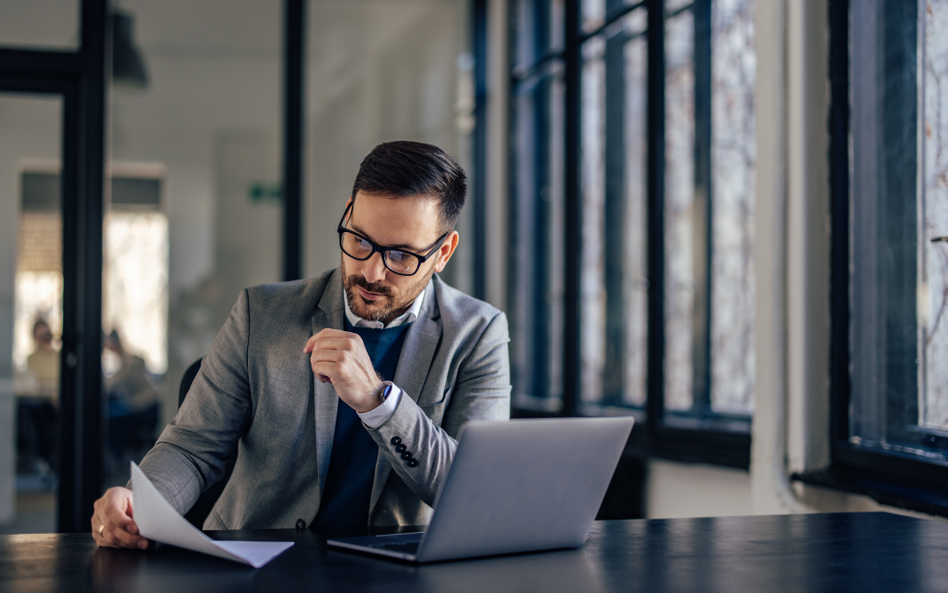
(403, 547)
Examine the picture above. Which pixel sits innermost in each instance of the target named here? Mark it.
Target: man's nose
(374, 268)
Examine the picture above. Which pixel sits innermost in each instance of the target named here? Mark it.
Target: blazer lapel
(330, 313)
(414, 362)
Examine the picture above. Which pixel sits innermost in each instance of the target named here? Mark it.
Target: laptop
(517, 486)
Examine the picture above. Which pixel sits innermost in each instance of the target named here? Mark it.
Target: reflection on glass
(31, 286)
(540, 30)
(634, 276)
(594, 14)
(733, 158)
(614, 289)
(135, 318)
(136, 284)
(679, 209)
(536, 310)
(672, 6)
(933, 306)
(890, 249)
(593, 280)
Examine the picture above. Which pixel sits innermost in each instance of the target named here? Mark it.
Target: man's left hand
(340, 358)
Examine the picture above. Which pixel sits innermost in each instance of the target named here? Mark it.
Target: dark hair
(40, 321)
(404, 168)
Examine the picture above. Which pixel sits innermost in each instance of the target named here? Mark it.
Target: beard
(393, 303)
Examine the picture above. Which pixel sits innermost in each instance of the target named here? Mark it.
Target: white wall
(378, 70)
(693, 490)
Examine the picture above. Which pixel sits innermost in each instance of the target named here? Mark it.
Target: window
(890, 258)
(632, 139)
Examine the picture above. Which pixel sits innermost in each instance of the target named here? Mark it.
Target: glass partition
(194, 212)
(31, 311)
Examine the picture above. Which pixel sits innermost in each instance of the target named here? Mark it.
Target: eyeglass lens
(399, 262)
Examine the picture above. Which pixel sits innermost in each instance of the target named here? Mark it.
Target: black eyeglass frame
(384, 250)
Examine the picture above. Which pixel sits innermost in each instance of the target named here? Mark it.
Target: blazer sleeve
(481, 392)
(192, 451)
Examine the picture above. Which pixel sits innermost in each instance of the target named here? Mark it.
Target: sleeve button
(396, 440)
(401, 448)
(412, 462)
(406, 455)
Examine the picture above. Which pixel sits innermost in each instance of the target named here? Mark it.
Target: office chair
(205, 502)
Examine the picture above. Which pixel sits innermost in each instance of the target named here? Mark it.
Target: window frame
(722, 439)
(893, 478)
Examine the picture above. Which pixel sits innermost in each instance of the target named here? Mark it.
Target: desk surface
(860, 552)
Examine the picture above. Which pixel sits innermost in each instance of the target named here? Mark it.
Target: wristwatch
(385, 391)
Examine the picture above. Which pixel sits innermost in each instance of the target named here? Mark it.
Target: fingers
(332, 339)
(331, 347)
(112, 524)
(324, 364)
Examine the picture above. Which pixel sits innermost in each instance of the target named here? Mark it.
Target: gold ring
(101, 529)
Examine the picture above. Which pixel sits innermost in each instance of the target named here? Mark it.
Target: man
(342, 395)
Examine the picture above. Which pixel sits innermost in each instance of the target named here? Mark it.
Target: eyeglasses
(399, 261)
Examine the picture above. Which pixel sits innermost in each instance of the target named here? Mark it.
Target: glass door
(31, 311)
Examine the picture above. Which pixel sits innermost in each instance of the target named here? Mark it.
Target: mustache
(376, 287)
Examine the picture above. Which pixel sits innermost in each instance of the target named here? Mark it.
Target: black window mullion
(541, 347)
(294, 32)
(839, 216)
(513, 211)
(655, 196)
(83, 209)
(479, 147)
(39, 65)
(573, 211)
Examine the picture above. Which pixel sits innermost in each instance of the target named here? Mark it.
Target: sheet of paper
(159, 521)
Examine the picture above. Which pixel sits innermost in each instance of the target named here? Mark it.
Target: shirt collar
(407, 317)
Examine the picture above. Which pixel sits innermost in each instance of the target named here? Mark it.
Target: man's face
(410, 224)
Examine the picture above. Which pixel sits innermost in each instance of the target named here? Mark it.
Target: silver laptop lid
(524, 485)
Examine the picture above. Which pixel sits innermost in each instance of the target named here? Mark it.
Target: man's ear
(446, 251)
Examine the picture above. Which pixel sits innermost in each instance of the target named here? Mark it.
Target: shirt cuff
(380, 415)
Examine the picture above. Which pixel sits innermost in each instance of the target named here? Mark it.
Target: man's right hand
(112, 524)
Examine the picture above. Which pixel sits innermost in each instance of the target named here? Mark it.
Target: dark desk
(812, 553)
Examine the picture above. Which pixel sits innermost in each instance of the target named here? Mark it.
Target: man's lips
(369, 296)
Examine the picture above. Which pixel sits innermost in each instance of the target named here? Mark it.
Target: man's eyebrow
(366, 235)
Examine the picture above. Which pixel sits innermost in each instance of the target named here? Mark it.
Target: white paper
(157, 520)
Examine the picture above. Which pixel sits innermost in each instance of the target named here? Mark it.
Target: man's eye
(363, 244)
(397, 256)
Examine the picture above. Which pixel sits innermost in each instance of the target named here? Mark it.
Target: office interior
(697, 287)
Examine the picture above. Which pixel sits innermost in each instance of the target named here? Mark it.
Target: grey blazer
(256, 393)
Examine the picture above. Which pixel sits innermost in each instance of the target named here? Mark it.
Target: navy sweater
(348, 488)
